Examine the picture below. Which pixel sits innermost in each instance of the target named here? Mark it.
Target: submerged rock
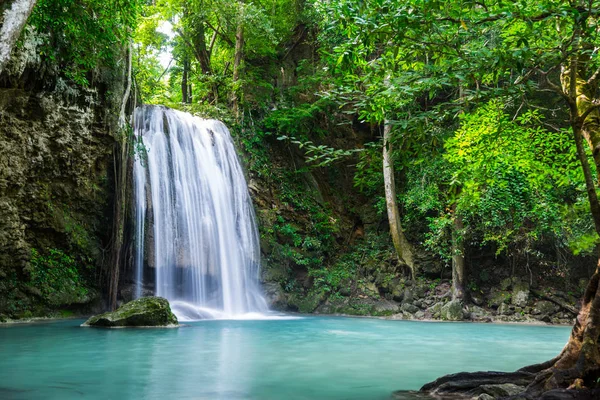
(145, 311)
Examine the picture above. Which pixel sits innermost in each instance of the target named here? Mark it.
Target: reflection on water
(307, 358)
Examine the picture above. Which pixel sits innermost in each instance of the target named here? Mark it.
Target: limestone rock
(145, 311)
(452, 311)
(498, 297)
(436, 310)
(409, 308)
(478, 313)
(385, 307)
(544, 308)
(520, 294)
(477, 299)
(505, 309)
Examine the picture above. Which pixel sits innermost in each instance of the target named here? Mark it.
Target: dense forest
(413, 159)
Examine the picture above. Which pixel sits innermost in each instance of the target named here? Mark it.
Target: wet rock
(274, 295)
(571, 394)
(128, 292)
(145, 311)
(501, 390)
(452, 311)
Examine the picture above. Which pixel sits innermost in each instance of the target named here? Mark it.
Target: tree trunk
(578, 365)
(237, 61)
(14, 16)
(403, 247)
(184, 81)
(201, 50)
(579, 362)
(120, 199)
(458, 257)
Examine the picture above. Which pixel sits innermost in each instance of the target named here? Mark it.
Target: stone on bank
(143, 312)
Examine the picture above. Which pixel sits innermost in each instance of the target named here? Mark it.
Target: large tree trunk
(14, 15)
(401, 244)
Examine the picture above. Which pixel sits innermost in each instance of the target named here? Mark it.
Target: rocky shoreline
(512, 301)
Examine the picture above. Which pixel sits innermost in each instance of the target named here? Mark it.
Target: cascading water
(194, 216)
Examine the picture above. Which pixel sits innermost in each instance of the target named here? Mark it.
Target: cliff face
(56, 144)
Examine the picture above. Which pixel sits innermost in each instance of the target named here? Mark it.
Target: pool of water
(307, 358)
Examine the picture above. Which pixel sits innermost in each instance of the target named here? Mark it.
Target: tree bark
(237, 61)
(201, 50)
(403, 248)
(458, 257)
(580, 359)
(14, 16)
(120, 200)
(184, 81)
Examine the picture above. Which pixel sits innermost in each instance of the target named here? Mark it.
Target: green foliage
(57, 277)
(509, 174)
(82, 35)
(347, 270)
(320, 155)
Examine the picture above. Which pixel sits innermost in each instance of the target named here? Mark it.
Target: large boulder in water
(145, 311)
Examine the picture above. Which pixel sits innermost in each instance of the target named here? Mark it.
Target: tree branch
(221, 34)
(594, 77)
(589, 111)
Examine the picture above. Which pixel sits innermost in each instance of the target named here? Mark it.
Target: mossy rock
(145, 311)
(498, 297)
(452, 311)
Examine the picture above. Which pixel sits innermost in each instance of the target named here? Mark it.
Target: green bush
(57, 277)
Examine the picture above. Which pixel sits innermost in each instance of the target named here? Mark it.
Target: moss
(146, 311)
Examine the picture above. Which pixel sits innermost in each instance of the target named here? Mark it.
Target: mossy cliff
(56, 151)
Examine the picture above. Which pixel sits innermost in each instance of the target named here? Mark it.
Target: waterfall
(194, 216)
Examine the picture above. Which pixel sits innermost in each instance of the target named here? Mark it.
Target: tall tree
(434, 50)
(13, 16)
(404, 249)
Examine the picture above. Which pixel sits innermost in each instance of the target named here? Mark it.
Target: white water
(190, 189)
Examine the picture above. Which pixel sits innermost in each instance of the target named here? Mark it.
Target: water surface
(308, 358)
